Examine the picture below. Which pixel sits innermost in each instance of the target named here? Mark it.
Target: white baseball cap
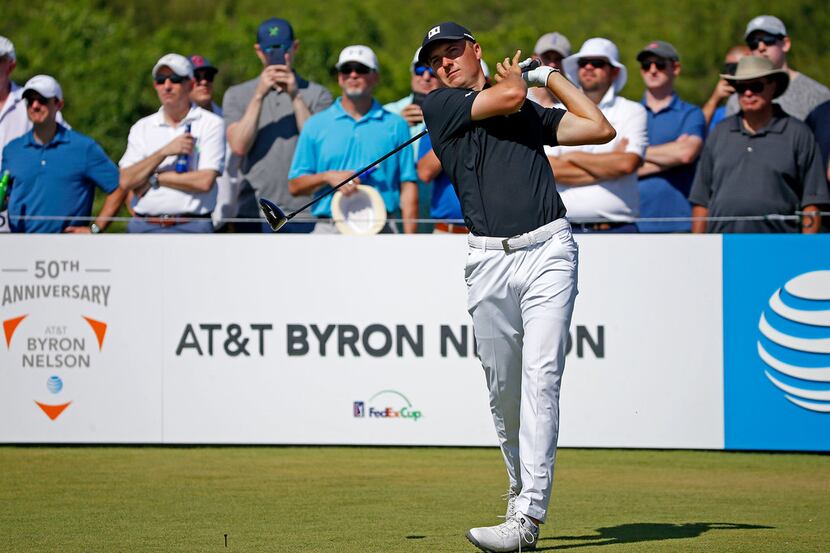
(553, 41)
(179, 64)
(7, 48)
(359, 54)
(360, 213)
(596, 48)
(44, 85)
(767, 23)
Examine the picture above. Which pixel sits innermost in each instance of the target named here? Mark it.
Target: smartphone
(418, 98)
(276, 56)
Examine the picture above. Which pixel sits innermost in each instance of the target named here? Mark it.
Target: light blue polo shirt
(665, 194)
(333, 141)
(58, 178)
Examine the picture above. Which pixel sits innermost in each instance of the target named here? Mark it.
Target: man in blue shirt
(55, 170)
(349, 135)
(675, 135)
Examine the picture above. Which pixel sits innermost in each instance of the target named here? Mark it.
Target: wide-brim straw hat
(756, 67)
(360, 213)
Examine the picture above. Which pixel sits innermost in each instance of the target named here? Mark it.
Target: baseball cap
(274, 32)
(7, 48)
(444, 31)
(553, 41)
(179, 64)
(44, 85)
(360, 54)
(661, 49)
(201, 62)
(768, 23)
(596, 48)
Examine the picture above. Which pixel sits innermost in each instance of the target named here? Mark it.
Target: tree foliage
(102, 52)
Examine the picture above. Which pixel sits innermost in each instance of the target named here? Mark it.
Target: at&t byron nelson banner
(702, 342)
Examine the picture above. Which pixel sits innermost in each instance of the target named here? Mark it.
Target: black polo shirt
(777, 170)
(498, 166)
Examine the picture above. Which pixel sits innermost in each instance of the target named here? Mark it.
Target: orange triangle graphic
(9, 326)
(52, 411)
(100, 329)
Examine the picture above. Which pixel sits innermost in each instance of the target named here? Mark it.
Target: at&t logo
(794, 340)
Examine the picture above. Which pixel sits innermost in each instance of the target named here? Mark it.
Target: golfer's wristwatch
(94, 229)
(154, 181)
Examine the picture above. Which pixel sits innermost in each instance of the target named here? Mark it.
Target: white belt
(541, 234)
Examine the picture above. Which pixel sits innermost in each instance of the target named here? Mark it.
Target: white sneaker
(517, 533)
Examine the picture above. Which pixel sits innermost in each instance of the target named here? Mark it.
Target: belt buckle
(505, 245)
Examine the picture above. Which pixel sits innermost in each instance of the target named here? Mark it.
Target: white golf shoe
(517, 533)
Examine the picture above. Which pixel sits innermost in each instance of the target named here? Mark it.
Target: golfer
(522, 260)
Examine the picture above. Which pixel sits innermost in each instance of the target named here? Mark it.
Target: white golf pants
(520, 293)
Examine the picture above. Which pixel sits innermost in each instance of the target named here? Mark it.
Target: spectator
(713, 111)
(264, 117)
(14, 121)
(227, 184)
(598, 183)
(550, 49)
(675, 136)
(55, 170)
(819, 123)
(767, 37)
(351, 134)
(203, 74)
(167, 200)
(422, 82)
(759, 162)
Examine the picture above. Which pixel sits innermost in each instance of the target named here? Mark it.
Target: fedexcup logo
(795, 340)
(387, 405)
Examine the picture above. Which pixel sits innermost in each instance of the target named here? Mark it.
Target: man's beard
(355, 94)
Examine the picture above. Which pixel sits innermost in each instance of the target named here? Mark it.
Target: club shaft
(356, 174)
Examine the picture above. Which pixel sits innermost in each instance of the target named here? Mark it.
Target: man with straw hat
(759, 162)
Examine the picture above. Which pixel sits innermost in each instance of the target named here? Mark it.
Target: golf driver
(277, 218)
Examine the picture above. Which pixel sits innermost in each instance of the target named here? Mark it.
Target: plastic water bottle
(4, 187)
(182, 161)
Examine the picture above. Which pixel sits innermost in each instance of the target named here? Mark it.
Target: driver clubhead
(273, 214)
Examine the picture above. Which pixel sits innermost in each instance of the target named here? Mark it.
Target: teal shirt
(333, 141)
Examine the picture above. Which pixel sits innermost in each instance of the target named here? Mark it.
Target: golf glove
(535, 77)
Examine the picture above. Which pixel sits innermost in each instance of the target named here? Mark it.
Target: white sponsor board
(338, 340)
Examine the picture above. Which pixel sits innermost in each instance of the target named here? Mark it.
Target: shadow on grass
(644, 532)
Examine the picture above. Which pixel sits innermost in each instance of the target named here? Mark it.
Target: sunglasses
(358, 68)
(174, 78)
(421, 69)
(659, 64)
(755, 87)
(755, 40)
(204, 76)
(32, 97)
(730, 68)
(593, 62)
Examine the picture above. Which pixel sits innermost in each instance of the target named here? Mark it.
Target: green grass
(72, 499)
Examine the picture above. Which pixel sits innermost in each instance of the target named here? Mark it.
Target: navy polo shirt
(665, 194)
(57, 179)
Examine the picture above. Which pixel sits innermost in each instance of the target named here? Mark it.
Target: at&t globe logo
(794, 340)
